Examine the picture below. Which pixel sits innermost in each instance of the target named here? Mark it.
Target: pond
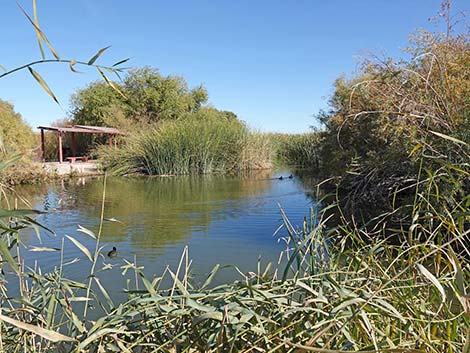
(222, 219)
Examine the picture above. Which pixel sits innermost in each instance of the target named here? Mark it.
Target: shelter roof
(83, 129)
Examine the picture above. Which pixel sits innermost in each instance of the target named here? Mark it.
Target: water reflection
(223, 219)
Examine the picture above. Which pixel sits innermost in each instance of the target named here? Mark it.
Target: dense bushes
(390, 107)
(24, 171)
(17, 138)
(143, 97)
(397, 122)
(15, 135)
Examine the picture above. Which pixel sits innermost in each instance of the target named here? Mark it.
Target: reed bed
(189, 146)
(300, 150)
(334, 289)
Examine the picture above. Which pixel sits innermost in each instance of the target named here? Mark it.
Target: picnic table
(74, 159)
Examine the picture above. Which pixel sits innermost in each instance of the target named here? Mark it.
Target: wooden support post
(43, 146)
(61, 157)
(74, 145)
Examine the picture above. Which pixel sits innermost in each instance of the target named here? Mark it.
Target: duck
(281, 177)
(113, 252)
(290, 176)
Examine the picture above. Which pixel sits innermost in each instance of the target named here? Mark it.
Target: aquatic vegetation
(300, 150)
(336, 289)
(199, 144)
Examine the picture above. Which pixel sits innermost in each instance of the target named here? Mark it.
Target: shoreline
(90, 168)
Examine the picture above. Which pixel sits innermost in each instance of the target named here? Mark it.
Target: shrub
(15, 135)
(397, 121)
(17, 138)
(25, 171)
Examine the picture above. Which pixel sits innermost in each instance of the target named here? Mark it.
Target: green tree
(154, 97)
(95, 104)
(147, 97)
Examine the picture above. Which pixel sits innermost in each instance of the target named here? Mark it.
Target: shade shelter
(72, 130)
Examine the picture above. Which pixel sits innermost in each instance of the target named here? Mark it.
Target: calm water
(225, 220)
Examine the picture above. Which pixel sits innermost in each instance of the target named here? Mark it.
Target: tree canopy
(147, 96)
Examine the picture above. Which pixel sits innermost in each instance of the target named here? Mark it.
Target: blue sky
(273, 63)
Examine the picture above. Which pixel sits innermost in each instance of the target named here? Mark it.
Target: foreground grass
(336, 290)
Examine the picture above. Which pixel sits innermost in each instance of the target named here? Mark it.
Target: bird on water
(281, 177)
(113, 252)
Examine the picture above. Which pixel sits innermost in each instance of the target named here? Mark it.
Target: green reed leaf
(121, 62)
(8, 257)
(76, 321)
(82, 247)
(18, 213)
(50, 312)
(104, 292)
(100, 333)
(148, 285)
(97, 55)
(43, 84)
(10, 161)
(386, 306)
(36, 224)
(295, 256)
(449, 138)
(214, 315)
(39, 32)
(72, 64)
(347, 303)
(459, 279)
(47, 334)
(179, 284)
(110, 83)
(43, 249)
(36, 23)
(195, 305)
(86, 231)
(433, 279)
(211, 276)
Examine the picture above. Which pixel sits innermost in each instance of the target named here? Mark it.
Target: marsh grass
(334, 289)
(299, 150)
(189, 146)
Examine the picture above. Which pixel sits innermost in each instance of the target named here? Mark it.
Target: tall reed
(189, 145)
(335, 289)
(300, 150)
